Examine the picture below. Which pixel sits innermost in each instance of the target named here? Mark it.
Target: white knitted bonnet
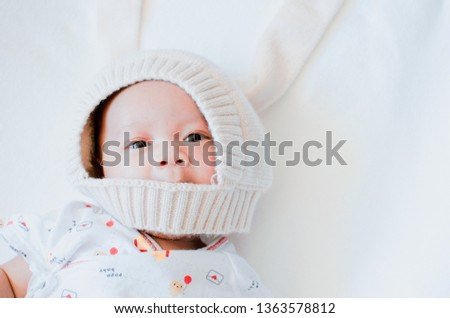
(226, 205)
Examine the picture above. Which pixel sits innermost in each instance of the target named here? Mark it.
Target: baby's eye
(138, 144)
(194, 137)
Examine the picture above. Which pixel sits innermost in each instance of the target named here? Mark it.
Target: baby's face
(143, 120)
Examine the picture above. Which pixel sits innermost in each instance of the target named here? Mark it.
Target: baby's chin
(173, 237)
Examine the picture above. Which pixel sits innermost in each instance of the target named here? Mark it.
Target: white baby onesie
(87, 253)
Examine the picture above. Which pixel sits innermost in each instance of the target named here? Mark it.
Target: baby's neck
(178, 243)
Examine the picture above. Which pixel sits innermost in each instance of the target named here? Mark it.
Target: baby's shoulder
(77, 216)
(80, 210)
(39, 229)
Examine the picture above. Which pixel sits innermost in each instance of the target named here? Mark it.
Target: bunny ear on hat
(279, 55)
(285, 47)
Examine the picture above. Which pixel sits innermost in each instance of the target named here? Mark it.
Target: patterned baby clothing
(85, 252)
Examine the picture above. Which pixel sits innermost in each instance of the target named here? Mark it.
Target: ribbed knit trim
(214, 211)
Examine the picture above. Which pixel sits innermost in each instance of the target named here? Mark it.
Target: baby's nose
(169, 163)
(178, 162)
(167, 154)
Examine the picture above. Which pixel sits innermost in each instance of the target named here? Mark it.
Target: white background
(379, 78)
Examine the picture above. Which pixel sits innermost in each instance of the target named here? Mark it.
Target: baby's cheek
(202, 154)
(133, 164)
(202, 174)
(203, 165)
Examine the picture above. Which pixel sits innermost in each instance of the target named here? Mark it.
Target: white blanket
(376, 74)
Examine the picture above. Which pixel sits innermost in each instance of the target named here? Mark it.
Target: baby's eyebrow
(131, 130)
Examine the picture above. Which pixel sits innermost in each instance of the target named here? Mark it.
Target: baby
(158, 147)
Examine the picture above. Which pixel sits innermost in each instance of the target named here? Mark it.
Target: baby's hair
(95, 123)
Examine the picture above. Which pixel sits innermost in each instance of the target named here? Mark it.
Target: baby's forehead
(154, 91)
(156, 102)
(156, 94)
